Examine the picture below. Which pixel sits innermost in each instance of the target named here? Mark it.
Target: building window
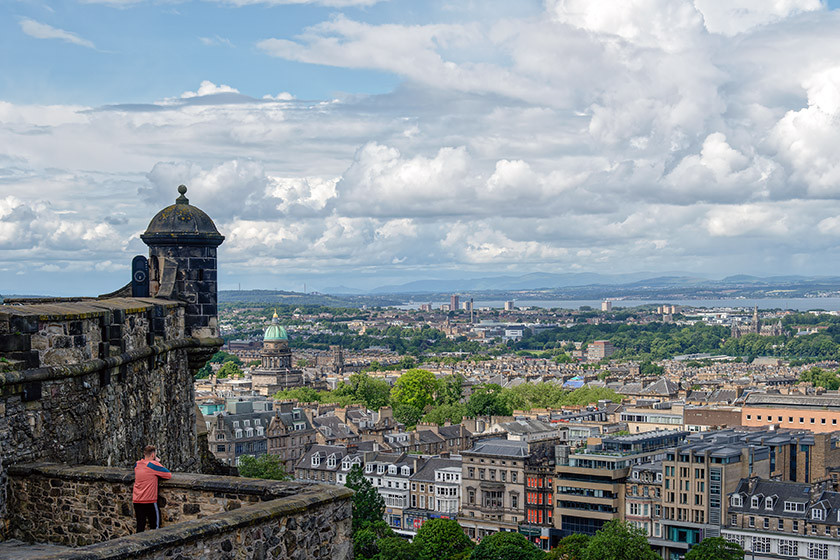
(766, 522)
(752, 521)
(787, 547)
(817, 514)
(781, 524)
(817, 551)
(761, 544)
(795, 526)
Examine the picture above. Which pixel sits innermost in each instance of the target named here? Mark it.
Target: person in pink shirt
(147, 472)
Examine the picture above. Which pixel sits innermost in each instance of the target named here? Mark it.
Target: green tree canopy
(373, 393)
(441, 539)
(396, 548)
(412, 393)
(821, 378)
(440, 414)
(300, 394)
(266, 466)
(715, 548)
(368, 505)
(222, 357)
(506, 546)
(618, 540)
(228, 369)
(416, 387)
(486, 400)
(572, 547)
(451, 389)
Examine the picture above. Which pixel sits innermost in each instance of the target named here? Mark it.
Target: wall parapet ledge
(53, 373)
(285, 519)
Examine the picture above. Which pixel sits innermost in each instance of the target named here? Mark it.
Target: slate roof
(812, 401)
(527, 426)
(500, 447)
(662, 387)
(427, 471)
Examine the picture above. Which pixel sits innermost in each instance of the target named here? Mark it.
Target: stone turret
(182, 242)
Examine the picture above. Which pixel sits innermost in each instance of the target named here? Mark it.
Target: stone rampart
(204, 516)
(93, 381)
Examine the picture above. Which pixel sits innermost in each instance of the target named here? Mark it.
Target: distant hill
(280, 297)
(533, 281)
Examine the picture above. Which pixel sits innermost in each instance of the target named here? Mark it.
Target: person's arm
(160, 470)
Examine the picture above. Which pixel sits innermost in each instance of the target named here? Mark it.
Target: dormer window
(331, 461)
(246, 423)
(238, 433)
(768, 503)
(260, 431)
(345, 465)
(369, 468)
(392, 469)
(296, 414)
(316, 460)
(249, 432)
(380, 469)
(754, 502)
(736, 501)
(406, 471)
(256, 422)
(817, 514)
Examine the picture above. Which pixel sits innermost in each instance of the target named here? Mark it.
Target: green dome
(275, 332)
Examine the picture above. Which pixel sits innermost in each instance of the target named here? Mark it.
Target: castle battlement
(86, 383)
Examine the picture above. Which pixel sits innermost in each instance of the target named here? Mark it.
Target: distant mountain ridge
(534, 281)
(590, 282)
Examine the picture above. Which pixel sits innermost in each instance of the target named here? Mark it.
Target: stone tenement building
(88, 382)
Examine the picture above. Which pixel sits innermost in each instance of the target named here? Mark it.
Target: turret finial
(182, 199)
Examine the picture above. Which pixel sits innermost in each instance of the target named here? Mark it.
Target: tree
(267, 466)
(373, 393)
(368, 505)
(366, 539)
(506, 546)
(618, 540)
(451, 389)
(222, 357)
(415, 388)
(412, 393)
(407, 414)
(228, 369)
(440, 414)
(396, 548)
(205, 371)
(821, 378)
(300, 394)
(440, 539)
(572, 547)
(486, 400)
(715, 548)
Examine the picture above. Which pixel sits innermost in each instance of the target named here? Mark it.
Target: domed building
(275, 372)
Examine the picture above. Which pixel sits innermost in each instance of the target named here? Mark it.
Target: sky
(362, 143)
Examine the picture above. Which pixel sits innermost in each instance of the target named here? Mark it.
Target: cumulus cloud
(737, 16)
(208, 88)
(40, 30)
(655, 134)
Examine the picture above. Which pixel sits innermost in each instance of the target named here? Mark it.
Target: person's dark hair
(148, 450)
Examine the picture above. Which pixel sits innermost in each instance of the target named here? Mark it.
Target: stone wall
(204, 516)
(93, 381)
